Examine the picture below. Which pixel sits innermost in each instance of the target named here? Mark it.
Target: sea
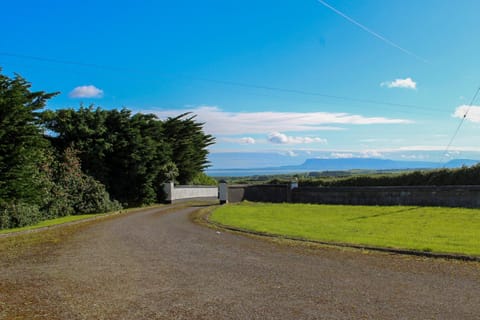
(249, 172)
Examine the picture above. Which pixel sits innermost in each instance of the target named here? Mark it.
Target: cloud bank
(219, 122)
(86, 92)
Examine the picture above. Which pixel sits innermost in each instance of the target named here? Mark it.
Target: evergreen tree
(34, 183)
(189, 145)
(22, 146)
(125, 152)
(136, 158)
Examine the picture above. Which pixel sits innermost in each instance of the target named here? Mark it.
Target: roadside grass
(38, 241)
(428, 229)
(18, 242)
(52, 222)
(38, 244)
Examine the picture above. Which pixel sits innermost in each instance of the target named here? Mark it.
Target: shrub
(93, 198)
(202, 179)
(439, 177)
(14, 215)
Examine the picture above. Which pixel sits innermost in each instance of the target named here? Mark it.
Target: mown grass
(431, 229)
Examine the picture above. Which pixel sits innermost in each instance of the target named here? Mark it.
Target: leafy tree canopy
(132, 154)
(22, 146)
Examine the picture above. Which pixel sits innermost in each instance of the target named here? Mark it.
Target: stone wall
(275, 193)
(449, 196)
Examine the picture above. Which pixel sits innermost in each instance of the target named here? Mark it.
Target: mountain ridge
(322, 164)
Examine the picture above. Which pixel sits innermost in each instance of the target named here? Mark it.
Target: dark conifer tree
(22, 146)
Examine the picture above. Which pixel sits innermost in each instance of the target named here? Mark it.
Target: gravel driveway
(160, 265)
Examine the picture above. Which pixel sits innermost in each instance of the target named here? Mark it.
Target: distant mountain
(457, 163)
(341, 164)
(374, 164)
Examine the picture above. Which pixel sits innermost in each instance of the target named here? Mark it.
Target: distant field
(432, 229)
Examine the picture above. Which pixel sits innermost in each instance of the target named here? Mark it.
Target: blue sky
(300, 79)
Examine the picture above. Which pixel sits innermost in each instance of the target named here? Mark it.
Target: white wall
(186, 192)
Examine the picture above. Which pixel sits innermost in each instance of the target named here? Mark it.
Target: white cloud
(248, 140)
(86, 92)
(414, 156)
(452, 154)
(280, 138)
(341, 155)
(441, 148)
(360, 154)
(244, 140)
(219, 122)
(371, 154)
(291, 153)
(473, 113)
(406, 83)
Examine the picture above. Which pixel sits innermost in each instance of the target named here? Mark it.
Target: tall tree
(137, 156)
(189, 145)
(36, 184)
(84, 130)
(130, 153)
(22, 146)
(125, 152)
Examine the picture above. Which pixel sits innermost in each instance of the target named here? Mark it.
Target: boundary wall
(184, 192)
(447, 196)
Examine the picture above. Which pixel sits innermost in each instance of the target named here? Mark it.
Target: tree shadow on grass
(385, 214)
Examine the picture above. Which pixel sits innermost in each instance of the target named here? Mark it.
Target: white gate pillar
(169, 188)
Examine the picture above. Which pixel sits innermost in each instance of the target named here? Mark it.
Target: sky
(277, 80)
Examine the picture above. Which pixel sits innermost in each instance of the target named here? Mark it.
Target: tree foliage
(79, 192)
(88, 155)
(131, 154)
(22, 146)
(188, 145)
(441, 177)
(34, 183)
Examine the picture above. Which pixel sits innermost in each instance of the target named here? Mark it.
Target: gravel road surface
(157, 264)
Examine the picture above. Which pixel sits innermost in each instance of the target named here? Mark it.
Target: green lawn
(52, 222)
(433, 229)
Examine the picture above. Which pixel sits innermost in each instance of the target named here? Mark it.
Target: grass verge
(38, 240)
(52, 222)
(426, 229)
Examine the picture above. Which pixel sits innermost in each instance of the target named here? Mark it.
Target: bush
(73, 192)
(14, 215)
(439, 177)
(203, 180)
(94, 198)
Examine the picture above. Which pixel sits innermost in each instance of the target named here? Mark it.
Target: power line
(310, 93)
(370, 31)
(461, 122)
(58, 61)
(223, 82)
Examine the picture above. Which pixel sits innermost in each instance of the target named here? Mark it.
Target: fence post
(169, 187)
(223, 192)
